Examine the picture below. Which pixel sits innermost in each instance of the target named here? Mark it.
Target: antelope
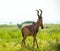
(31, 30)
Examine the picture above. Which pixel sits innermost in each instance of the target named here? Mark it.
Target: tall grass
(48, 38)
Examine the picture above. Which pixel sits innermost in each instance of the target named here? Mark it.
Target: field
(48, 39)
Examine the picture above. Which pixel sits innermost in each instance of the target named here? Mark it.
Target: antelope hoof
(37, 47)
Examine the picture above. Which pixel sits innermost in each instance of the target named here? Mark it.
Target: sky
(18, 11)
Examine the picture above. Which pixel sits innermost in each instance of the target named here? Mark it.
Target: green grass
(48, 39)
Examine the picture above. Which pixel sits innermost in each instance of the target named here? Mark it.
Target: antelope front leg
(36, 43)
(33, 43)
(35, 40)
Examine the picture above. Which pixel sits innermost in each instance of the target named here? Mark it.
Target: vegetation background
(48, 38)
(18, 11)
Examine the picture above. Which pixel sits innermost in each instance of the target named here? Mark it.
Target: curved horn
(41, 12)
(37, 13)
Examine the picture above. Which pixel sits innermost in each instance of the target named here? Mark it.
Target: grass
(48, 39)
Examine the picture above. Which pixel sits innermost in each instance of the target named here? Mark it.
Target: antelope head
(40, 21)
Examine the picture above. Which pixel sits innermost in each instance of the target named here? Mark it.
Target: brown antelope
(31, 30)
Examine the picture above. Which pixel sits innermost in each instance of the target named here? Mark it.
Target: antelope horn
(37, 13)
(41, 12)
